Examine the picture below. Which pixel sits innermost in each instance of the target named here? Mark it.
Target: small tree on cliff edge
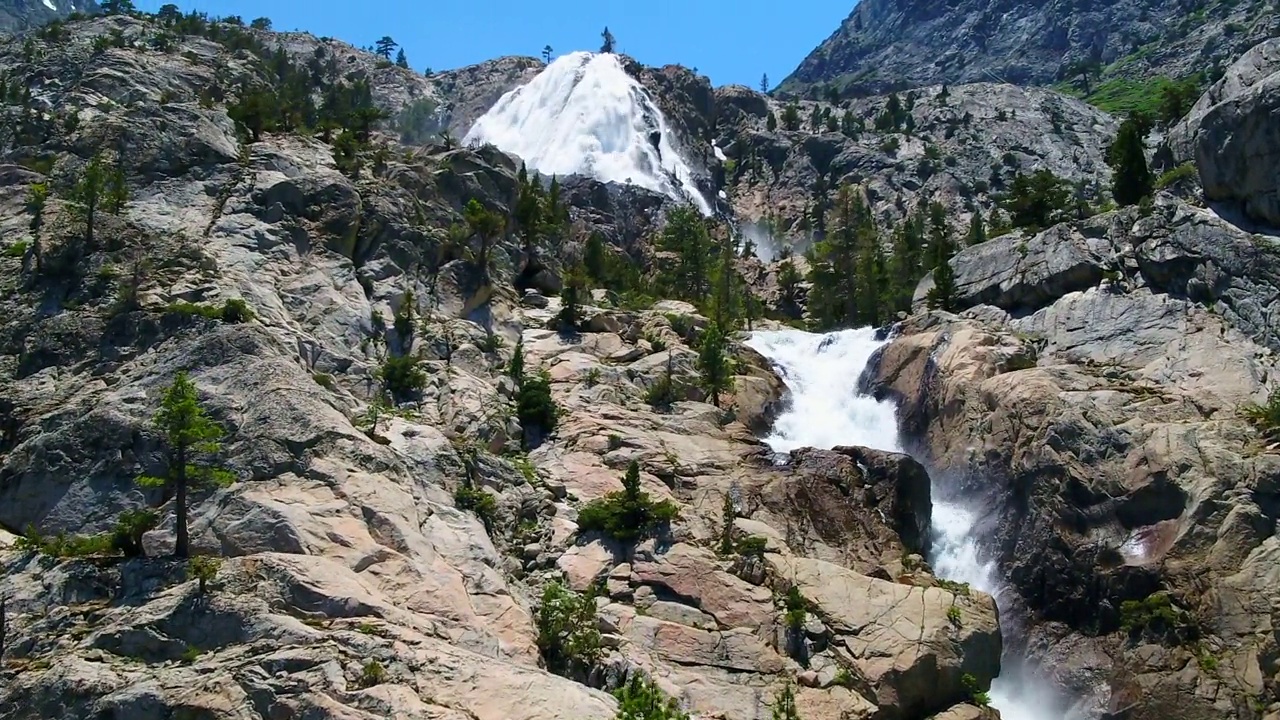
(189, 433)
(607, 37)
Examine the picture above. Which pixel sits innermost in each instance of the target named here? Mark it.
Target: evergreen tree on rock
(1131, 177)
(384, 47)
(189, 433)
(608, 42)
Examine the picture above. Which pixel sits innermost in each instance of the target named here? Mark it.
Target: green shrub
(641, 699)
(662, 393)
(953, 615)
(797, 609)
(478, 501)
(536, 409)
(232, 310)
(235, 311)
(568, 636)
(1155, 613)
(752, 546)
(324, 380)
(1266, 417)
(130, 527)
(844, 678)
(593, 377)
(191, 654)
(204, 568)
(17, 250)
(976, 694)
(955, 588)
(63, 545)
(402, 376)
(372, 674)
(627, 516)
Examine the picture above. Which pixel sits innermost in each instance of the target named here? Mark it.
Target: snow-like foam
(826, 410)
(584, 115)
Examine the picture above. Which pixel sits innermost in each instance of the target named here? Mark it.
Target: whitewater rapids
(826, 410)
(584, 115)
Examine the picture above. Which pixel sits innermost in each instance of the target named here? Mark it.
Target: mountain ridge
(20, 15)
(887, 45)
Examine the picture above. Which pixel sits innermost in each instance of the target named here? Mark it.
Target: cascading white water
(826, 410)
(584, 115)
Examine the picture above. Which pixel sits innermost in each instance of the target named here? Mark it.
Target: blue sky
(730, 41)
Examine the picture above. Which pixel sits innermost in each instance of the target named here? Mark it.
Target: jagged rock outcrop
(1232, 136)
(894, 44)
(1088, 397)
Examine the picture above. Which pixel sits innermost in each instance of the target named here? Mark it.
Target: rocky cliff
(19, 15)
(894, 44)
(1090, 393)
(391, 561)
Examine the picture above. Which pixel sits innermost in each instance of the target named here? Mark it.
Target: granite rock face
(356, 579)
(1232, 136)
(894, 44)
(1087, 396)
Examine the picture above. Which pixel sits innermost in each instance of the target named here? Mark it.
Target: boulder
(1231, 127)
(914, 655)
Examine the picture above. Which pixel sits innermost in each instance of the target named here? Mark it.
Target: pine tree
(595, 260)
(942, 295)
(977, 230)
(570, 301)
(764, 84)
(516, 369)
(726, 300)
(117, 188)
(1131, 177)
(401, 59)
(771, 123)
(89, 192)
(384, 46)
(688, 276)
(546, 54)
(849, 125)
(784, 705)
(791, 117)
(727, 514)
(608, 42)
(1037, 201)
(262, 23)
(117, 7)
(485, 225)
(713, 365)
(189, 432)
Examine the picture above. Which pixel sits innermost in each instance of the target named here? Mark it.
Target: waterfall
(826, 410)
(584, 115)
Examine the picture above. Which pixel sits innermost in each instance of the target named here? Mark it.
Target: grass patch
(17, 250)
(233, 310)
(372, 674)
(1182, 172)
(955, 588)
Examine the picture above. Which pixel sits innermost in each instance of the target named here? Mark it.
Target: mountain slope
(19, 15)
(890, 44)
